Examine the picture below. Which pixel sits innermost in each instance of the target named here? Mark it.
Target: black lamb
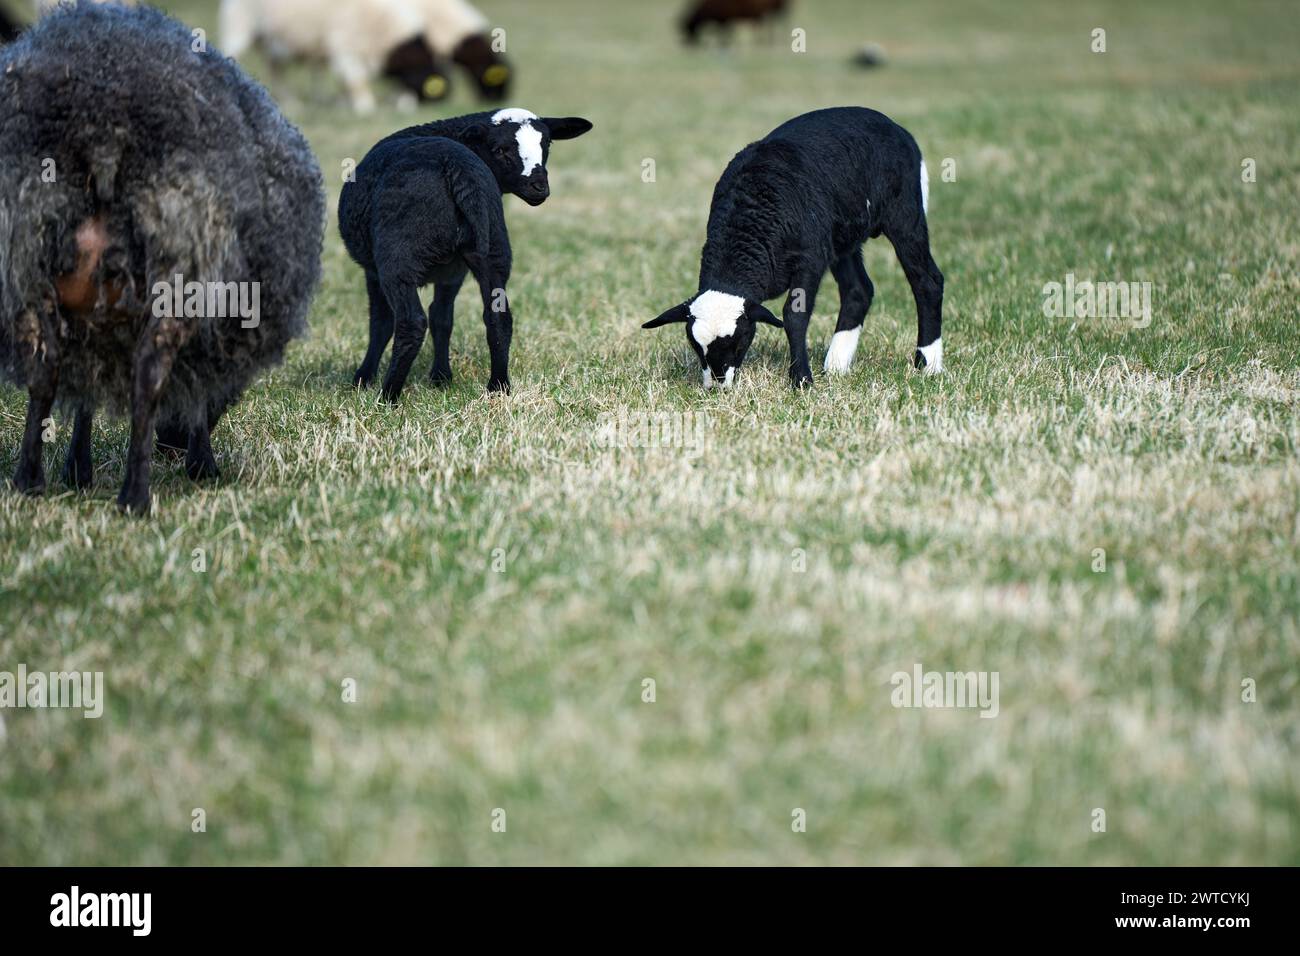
(789, 207)
(425, 208)
(161, 226)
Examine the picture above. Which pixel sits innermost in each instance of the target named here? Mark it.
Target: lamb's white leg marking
(933, 355)
(925, 188)
(708, 378)
(844, 345)
(730, 379)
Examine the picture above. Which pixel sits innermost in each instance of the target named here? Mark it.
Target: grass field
(499, 582)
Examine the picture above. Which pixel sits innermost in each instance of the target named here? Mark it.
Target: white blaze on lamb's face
(715, 315)
(528, 137)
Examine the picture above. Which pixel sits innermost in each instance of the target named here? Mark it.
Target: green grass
(949, 521)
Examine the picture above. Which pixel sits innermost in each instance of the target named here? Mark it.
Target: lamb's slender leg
(200, 463)
(78, 469)
(927, 288)
(492, 273)
(798, 310)
(856, 293)
(381, 332)
(442, 312)
(155, 353)
(42, 371)
(411, 325)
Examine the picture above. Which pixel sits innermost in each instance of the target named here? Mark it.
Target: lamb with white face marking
(513, 143)
(720, 328)
(425, 208)
(793, 205)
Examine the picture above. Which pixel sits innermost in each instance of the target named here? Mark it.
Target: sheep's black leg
(200, 463)
(30, 476)
(78, 469)
(42, 368)
(856, 293)
(410, 323)
(492, 273)
(381, 331)
(798, 310)
(927, 288)
(154, 355)
(175, 439)
(442, 312)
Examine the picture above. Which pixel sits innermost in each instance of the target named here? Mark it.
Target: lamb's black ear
(566, 127)
(678, 313)
(474, 134)
(759, 313)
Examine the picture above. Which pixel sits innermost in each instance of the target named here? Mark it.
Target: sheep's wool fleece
(110, 111)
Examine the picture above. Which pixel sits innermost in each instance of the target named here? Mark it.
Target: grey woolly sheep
(161, 226)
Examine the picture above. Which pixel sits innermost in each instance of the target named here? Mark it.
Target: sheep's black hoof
(362, 378)
(440, 377)
(918, 360)
(30, 481)
(801, 380)
(133, 502)
(501, 385)
(78, 472)
(202, 468)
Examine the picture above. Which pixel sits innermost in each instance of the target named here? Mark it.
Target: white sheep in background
(457, 31)
(355, 38)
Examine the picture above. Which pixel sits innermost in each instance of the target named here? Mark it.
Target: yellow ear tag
(435, 87)
(496, 75)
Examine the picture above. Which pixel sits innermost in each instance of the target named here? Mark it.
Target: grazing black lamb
(425, 208)
(790, 206)
(161, 226)
(725, 13)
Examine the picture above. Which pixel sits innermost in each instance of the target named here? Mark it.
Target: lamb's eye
(502, 152)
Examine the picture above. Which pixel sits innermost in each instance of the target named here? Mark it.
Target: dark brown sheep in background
(725, 13)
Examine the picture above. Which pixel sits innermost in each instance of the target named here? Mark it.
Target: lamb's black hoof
(78, 473)
(30, 481)
(362, 378)
(440, 378)
(918, 360)
(501, 385)
(801, 380)
(134, 502)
